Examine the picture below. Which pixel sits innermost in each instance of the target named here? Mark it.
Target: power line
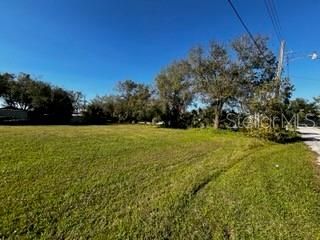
(245, 27)
(282, 45)
(275, 23)
(303, 55)
(275, 11)
(273, 16)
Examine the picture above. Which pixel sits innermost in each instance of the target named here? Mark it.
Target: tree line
(209, 87)
(203, 88)
(43, 102)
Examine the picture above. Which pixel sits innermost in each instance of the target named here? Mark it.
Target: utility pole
(279, 69)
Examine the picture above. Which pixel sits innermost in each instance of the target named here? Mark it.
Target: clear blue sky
(89, 45)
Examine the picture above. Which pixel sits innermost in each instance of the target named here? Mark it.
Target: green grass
(135, 182)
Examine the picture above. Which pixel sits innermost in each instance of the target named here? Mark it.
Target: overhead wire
(272, 12)
(245, 26)
(275, 13)
(275, 20)
(274, 16)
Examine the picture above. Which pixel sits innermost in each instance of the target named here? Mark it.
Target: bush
(275, 135)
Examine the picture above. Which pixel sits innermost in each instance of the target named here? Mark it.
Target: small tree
(303, 111)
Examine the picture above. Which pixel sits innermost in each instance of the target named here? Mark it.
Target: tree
(42, 101)
(258, 86)
(133, 102)
(19, 92)
(141, 102)
(303, 111)
(317, 102)
(216, 77)
(317, 105)
(79, 101)
(60, 108)
(5, 79)
(23, 92)
(258, 67)
(40, 93)
(175, 91)
(103, 109)
(95, 113)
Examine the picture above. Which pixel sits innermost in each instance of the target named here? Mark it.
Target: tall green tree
(19, 92)
(40, 99)
(174, 85)
(258, 68)
(216, 77)
(40, 93)
(5, 80)
(134, 99)
(60, 108)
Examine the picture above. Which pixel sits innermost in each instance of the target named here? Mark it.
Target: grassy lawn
(134, 182)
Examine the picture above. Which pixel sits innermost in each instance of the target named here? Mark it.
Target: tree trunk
(218, 110)
(216, 120)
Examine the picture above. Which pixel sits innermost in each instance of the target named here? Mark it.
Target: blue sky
(89, 45)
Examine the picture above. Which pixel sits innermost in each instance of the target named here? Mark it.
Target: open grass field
(137, 182)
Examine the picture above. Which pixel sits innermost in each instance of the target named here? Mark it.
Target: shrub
(275, 135)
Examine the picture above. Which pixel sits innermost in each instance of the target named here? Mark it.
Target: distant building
(12, 114)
